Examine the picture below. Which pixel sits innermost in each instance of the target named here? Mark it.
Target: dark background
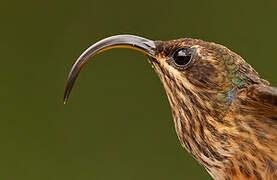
(117, 124)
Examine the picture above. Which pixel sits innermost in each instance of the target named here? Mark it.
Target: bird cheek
(162, 62)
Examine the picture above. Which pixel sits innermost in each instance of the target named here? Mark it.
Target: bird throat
(197, 117)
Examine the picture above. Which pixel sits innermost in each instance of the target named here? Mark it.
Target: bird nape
(225, 115)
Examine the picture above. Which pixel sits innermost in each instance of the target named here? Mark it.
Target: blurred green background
(117, 124)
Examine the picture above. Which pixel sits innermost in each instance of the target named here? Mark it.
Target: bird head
(194, 73)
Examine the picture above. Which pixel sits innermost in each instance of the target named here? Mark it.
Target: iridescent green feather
(232, 77)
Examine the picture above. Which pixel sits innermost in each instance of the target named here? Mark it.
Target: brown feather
(224, 113)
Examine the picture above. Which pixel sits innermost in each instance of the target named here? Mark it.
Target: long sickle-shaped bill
(143, 45)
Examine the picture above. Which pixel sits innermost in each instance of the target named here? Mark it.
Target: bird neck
(198, 116)
(199, 128)
(197, 123)
(201, 119)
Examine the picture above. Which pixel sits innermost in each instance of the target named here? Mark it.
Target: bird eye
(182, 57)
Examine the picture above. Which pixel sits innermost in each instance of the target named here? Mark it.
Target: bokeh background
(117, 124)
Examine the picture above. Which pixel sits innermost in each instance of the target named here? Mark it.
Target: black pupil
(182, 57)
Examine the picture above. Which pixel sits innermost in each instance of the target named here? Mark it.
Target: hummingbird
(225, 114)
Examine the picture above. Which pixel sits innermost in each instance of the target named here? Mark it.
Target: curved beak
(143, 45)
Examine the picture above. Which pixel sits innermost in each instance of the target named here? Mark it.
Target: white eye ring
(195, 46)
